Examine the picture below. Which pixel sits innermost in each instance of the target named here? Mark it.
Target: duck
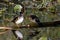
(33, 18)
(18, 34)
(19, 19)
(33, 33)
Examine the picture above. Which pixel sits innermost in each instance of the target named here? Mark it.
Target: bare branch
(9, 28)
(4, 31)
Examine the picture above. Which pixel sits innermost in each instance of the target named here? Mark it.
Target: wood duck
(34, 33)
(19, 19)
(35, 19)
(18, 34)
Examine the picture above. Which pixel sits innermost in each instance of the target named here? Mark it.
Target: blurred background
(46, 10)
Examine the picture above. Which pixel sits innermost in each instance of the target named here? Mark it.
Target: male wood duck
(19, 19)
(18, 34)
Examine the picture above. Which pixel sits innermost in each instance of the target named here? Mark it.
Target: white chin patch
(19, 34)
(20, 20)
(20, 7)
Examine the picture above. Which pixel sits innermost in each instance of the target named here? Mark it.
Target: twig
(6, 28)
(3, 32)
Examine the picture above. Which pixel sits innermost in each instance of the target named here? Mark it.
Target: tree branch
(5, 28)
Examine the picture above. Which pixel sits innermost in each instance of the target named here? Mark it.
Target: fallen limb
(5, 28)
(3, 32)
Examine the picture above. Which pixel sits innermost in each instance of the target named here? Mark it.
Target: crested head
(18, 8)
(35, 19)
(33, 16)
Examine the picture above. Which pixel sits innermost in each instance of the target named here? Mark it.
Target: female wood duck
(18, 34)
(35, 19)
(33, 33)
